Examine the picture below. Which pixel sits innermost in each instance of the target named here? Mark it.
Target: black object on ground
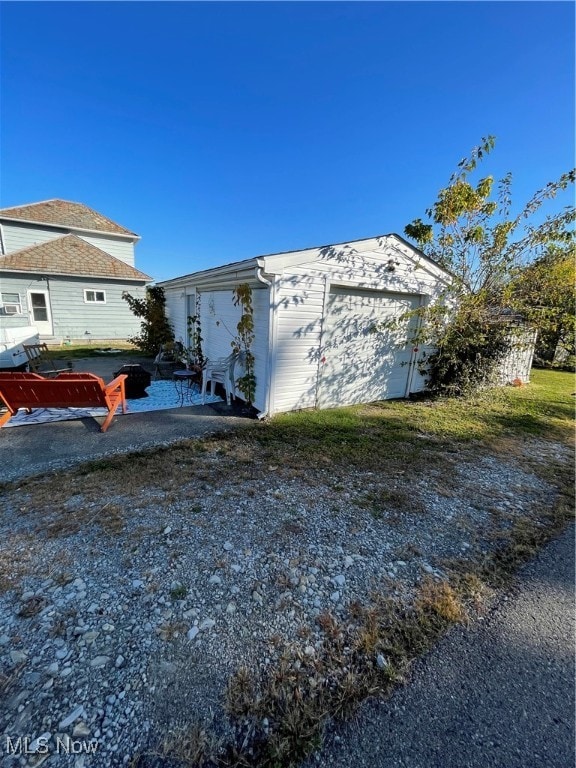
(137, 382)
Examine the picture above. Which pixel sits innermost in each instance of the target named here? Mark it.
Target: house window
(11, 304)
(94, 297)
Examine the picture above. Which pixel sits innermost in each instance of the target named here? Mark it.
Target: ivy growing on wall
(195, 335)
(242, 343)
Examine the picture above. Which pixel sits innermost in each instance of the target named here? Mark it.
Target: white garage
(361, 363)
(319, 341)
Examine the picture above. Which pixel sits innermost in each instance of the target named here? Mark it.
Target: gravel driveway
(500, 693)
(126, 602)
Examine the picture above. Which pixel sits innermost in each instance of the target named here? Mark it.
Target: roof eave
(234, 272)
(132, 235)
(120, 278)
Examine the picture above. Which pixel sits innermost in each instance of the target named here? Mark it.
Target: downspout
(2, 249)
(271, 334)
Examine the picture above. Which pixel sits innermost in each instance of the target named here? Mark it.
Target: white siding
(219, 318)
(176, 313)
(289, 352)
(300, 302)
(363, 361)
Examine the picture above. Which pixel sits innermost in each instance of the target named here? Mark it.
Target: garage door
(359, 364)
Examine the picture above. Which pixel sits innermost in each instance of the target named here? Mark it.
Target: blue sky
(220, 131)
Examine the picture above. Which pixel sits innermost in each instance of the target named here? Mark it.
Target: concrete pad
(42, 448)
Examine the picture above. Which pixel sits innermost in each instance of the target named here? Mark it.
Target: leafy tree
(543, 292)
(476, 237)
(155, 328)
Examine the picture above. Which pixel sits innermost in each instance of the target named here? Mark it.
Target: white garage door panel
(360, 365)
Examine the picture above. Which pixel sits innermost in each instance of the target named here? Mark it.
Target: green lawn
(77, 351)
(393, 430)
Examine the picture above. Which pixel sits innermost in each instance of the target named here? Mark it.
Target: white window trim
(94, 291)
(17, 304)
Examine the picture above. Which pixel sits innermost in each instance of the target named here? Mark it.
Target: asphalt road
(500, 693)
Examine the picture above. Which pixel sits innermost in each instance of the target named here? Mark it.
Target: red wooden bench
(67, 390)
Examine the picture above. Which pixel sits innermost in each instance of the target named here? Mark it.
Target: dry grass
(278, 718)
(440, 599)
(59, 522)
(32, 607)
(193, 746)
(391, 504)
(17, 560)
(9, 680)
(171, 630)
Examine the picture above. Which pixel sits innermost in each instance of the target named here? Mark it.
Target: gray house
(63, 268)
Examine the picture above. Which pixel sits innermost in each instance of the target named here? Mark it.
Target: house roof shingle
(64, 214)
(69, 255)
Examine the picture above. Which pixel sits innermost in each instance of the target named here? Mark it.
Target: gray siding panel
(21, 285)
(120, 249)
(18, 236)
(71, 316)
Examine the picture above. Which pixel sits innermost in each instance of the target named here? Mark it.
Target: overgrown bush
(468, 354)
(155, 328)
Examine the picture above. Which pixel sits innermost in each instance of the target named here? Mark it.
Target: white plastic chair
(220, 371)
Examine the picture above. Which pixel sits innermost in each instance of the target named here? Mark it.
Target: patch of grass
(179, 592)
(441, 599)
(77, 351)
(280, 718)
(399, 434)
(193, 746)
(63, 522)
(171, 630)
(394, 500)
(32, 607)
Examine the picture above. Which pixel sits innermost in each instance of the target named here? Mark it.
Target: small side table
(183, 382)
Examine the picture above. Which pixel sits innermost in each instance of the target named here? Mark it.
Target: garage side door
(361, 365)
